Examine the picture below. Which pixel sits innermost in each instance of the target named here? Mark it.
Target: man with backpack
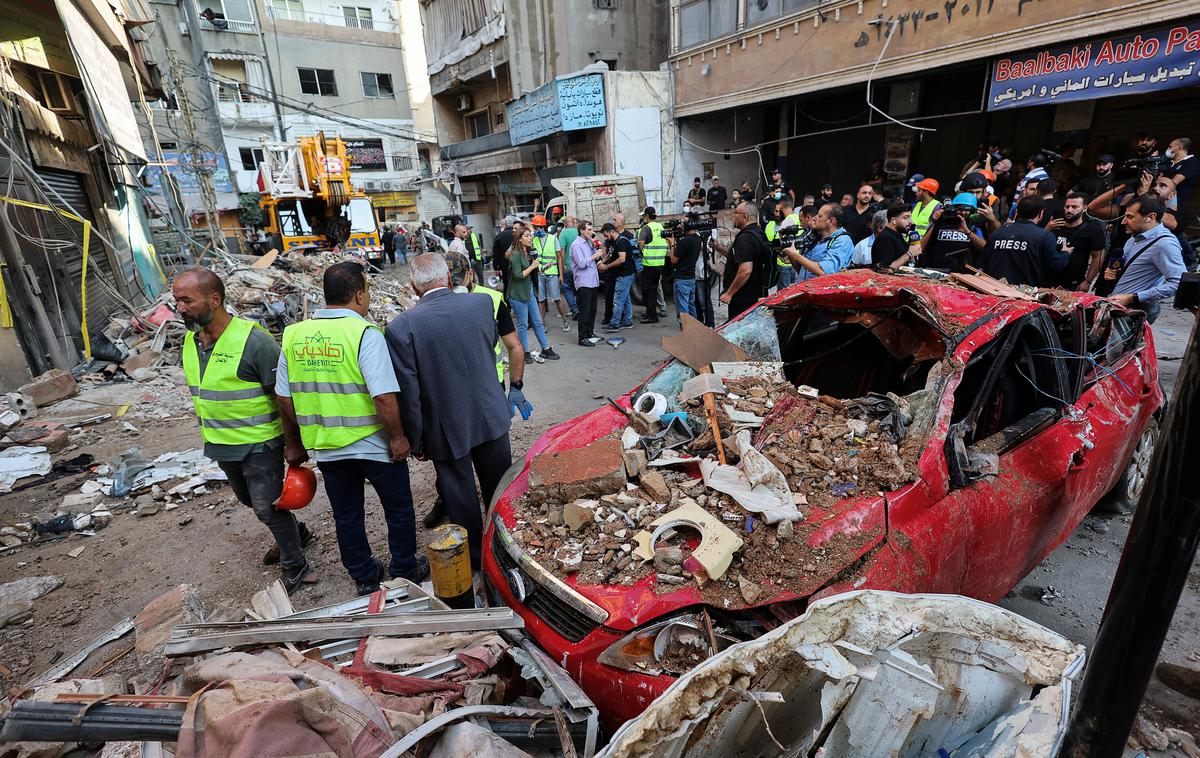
(750, 269)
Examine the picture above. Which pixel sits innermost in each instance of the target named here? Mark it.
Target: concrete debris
(1148, 735)
(134, 474)
(17, 596)
(16, 463)
(591, 471)
(654, 485)
(154, 625)
(871, 673)
(1185, 741)
(50, 387)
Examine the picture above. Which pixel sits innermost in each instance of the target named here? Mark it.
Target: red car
(1060, 395)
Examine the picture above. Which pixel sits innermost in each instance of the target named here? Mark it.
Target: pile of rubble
(394, 672)
(274, 290)
(732, 523)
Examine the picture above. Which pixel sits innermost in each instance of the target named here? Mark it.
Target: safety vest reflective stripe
(654, 253)
(547, 248)
(496, 298)
(231, 411)
(334, 407)
(922, 216)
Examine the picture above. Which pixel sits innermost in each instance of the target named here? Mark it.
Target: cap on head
(912, 180)
(716, 178)
(929, 185)
(649, 211)
(973, 181)
(459, 265)
(1106, 158)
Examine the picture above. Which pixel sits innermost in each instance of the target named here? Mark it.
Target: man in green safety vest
(230, 366)
(550, 274)
(475, 250)
(922, 214)
(655, 249)
(337, 396)
(786, 217)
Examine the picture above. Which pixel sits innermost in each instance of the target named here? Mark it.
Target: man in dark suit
(452, 407)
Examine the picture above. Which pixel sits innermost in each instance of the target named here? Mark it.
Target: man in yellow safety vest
(337, 396)
(922, 214)
(229, 364)
(655, 249)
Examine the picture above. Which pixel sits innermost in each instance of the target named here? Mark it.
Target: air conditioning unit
(183, 29)
(464, 103)
(371, 186)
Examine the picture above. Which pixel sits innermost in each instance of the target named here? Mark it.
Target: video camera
(695, 222)
(1130, 172)
(794, 236)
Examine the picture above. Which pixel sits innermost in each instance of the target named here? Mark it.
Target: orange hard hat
(538, 220)
(989, 175)
(299, 488)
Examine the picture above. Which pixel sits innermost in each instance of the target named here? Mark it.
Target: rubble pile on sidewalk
(383, 675)
(272, 290)
(619, 510)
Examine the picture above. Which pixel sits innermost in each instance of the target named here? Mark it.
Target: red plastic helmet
(299, 488)
(538, 220)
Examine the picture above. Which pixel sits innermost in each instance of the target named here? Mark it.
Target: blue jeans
(787, 276)
(526, 312)
(685, 297)
(344, 482)
(623, 302)
(568, 291)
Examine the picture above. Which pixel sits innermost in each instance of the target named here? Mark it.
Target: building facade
(545, 65)
(74, 234)
(818, 88)
(275, 70)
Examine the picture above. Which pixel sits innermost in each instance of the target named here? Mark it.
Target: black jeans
(389, 254)
(704, 303)
(257, 482)
(586, 298)
(608, 283)
(456, 487)
(344, 484)
(650, 279)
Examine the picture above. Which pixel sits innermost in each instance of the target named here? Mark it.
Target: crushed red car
(934, 438)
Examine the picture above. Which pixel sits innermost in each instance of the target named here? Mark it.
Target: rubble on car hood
(871, 673)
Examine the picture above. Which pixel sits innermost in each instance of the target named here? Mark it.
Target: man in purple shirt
(587, 281)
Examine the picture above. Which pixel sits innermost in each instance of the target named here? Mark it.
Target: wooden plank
(266, 260)
(697, 346)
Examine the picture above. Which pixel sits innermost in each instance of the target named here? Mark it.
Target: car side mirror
(964, 464)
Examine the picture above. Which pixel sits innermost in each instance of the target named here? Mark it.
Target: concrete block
(587, 472)
(50, 387)
(153, 626)
(655, 486)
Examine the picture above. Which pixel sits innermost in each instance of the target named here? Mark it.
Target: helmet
(929, 185)
(538, 220)
(964, 200)
(299, 488)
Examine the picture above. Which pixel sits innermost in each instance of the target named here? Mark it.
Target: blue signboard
(1158, 59)
(561, 106)
(180, 166)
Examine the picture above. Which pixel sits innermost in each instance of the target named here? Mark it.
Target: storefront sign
(1158, 59)
(394, 199)
(561, 106)
(366, 154)
(180, 166)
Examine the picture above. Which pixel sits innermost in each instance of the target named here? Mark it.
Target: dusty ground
(219, 550)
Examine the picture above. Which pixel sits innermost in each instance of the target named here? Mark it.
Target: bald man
(230, 368)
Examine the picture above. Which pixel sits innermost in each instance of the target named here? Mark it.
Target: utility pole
(208, 195)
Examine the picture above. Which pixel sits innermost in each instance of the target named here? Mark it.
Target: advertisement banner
(365, 154)
(1157, 59)
(561, 106)
(181, 167)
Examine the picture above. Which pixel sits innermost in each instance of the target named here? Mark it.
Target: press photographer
(953, 236)
(834, 249)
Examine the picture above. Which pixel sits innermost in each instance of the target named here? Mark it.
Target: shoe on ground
(537, 357)
(366, 588)
(550, 355)
(293, 580)
(627, 326)
(271, 557)
(566, 326)
(610, 328)
(648, 321)
(528, 358)
(585, 343)
(418, 574)
(436, 515)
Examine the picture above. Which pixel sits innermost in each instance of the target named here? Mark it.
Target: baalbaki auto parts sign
(1157, 59)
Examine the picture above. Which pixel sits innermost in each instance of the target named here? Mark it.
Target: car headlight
(674, 645)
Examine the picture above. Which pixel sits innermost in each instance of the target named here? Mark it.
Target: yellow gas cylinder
(450, 566)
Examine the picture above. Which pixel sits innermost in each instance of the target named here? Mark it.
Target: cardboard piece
(697, 346)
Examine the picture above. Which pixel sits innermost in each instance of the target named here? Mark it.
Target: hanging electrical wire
(871, 78)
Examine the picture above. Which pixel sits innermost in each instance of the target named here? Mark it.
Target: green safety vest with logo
(547, 251)
(654, 254)
(334, 408)
(922, 216)
(231, 411)
(496, 298)
(477, 241)
(772, 232)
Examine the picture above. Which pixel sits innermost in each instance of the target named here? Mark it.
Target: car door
(1009, 450)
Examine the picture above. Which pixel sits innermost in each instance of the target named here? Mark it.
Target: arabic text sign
(1158, 59)
(561, 106)
(181, 167)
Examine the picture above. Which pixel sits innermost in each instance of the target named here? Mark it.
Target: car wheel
(1123, 497)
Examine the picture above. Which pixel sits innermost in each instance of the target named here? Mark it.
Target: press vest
(547, 252)
(496, 298)
(922, 215)
(772, 231)
(231, 411)
(334, 408)
(654, 253)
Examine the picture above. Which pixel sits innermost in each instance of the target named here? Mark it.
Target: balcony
(350, 21)
(484, 144)
(230, 25)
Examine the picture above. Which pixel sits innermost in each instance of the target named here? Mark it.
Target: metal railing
(232, 25)
(334, 19)
(486, 143)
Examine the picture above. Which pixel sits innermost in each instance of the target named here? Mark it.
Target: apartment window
(761, 11)
(478, 124)
(703, 20)
(605, 5)
(401, 162)
(317, 81)
(251, 157)
(377, 85)
(232, 83)
(293, 10)
(56, 93)
(359, 18)
(234, 15)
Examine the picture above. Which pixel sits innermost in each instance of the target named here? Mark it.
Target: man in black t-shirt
(1184, 169)
(1053, 207)
(747, 262)
(683, 257)
(858, 215)
(716, 195)
(619, 267)
(891, 244)
(1081, 239)
(696, 195)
